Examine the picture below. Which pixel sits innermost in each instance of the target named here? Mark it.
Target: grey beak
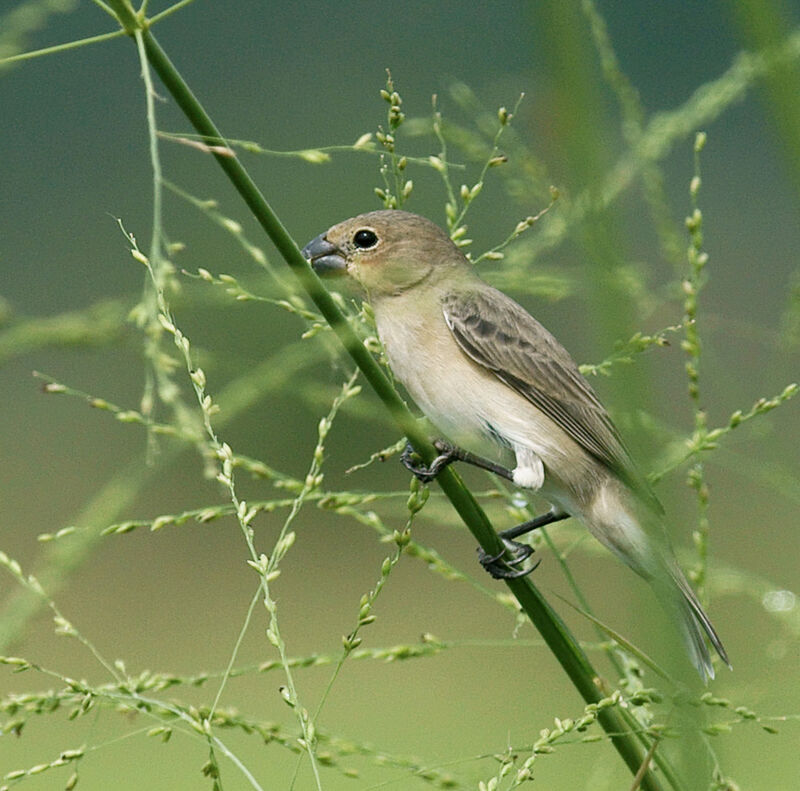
(325, 258)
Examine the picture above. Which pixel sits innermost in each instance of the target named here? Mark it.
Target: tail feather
(611, 520)
(695, 624)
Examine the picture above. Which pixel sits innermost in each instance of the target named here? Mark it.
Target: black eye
(364, 239)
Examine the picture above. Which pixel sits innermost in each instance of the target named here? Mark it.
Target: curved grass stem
(555, 633)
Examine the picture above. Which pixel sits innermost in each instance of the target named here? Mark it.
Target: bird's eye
(365, 239)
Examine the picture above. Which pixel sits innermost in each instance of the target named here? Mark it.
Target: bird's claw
(501, 567)
(421, 472)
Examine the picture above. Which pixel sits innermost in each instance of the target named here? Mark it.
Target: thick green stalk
(545, 619)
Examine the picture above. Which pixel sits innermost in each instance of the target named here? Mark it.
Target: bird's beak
(325, 258)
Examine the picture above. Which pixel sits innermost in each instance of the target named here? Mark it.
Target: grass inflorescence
(631, 703)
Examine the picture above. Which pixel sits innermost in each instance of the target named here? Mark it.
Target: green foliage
(183, 408)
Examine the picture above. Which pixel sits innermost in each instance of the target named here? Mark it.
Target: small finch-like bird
(494, 381)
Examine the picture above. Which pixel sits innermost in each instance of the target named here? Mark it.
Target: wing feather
(498, 334)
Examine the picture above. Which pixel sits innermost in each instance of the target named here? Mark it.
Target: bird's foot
(447, 455)
(501, 566)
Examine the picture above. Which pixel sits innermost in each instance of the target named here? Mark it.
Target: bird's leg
(459, 454)
(538, 521)
(447, 455)
(500, 567)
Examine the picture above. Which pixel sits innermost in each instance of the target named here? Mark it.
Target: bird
(498, 386)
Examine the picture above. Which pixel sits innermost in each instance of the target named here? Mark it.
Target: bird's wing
(501, 336)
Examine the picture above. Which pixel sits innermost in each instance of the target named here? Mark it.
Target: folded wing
(498, 334)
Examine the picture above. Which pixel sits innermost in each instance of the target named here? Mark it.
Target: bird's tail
(648, 553)
(678, 597)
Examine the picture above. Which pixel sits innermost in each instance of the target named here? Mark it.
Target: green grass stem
(555, 633)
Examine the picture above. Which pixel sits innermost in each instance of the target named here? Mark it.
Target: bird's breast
(444, 383)
(465, 401)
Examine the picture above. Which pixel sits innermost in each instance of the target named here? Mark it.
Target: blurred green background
(301, 75)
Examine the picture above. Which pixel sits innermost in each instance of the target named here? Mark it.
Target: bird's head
(387, 252)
